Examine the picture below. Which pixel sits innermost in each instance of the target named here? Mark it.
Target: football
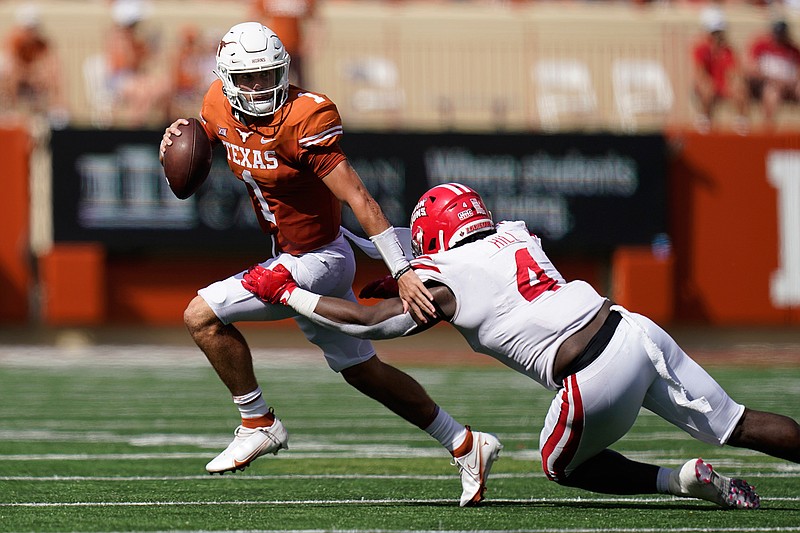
(187, 161)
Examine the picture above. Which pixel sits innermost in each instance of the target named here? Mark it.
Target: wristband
(303, 301)
(391, 251)
(401, 272)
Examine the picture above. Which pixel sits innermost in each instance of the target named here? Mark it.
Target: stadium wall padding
(735, 203)
(73, 277)
(15, 262)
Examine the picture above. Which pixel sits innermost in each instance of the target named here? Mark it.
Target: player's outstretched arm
(385, 320)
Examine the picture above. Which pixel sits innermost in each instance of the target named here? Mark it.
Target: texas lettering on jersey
(249, 158)
(282, 160)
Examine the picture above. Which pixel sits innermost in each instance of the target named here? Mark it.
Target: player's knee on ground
(576, 478)
(550, 475)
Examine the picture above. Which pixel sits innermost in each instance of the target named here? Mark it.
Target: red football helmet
(446, 215)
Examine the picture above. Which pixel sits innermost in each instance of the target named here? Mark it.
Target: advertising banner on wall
(581, 193)
(109, 187)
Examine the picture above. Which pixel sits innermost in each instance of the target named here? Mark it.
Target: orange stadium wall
(15, 274)
(735, 224)
(156, 291)
(644, 282)
(73, 278)
(83, 286)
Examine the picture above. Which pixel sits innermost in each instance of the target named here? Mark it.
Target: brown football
(187, 161)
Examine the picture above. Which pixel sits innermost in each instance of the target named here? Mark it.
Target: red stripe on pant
(555, 455)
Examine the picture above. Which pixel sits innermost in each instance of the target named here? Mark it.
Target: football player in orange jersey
(282, 143)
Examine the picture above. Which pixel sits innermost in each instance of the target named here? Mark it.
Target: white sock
(252, 404)
(446, 430)
(662, 480)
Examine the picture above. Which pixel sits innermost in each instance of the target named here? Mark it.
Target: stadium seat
(641, 87)
(376, 84)
(99, 97)
(563, 87)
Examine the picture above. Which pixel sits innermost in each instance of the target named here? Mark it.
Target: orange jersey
(282, 160)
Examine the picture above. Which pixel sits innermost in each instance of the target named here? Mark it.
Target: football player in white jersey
(495, 284)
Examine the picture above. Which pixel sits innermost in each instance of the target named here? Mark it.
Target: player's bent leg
(610, 472)
(770, 433)
(396, 390)
(210, 318)
(223, 345)
(404, 396)
(229, 355)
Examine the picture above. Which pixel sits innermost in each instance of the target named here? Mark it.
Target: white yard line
(273, 477)
(365, 501)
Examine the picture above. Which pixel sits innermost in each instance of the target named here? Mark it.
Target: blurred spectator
(717, 73)
(773, 70)
(139, 94)
(287, 18)
(192, 70)
(31, 81)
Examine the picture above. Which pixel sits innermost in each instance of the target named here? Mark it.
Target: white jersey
(512, 303)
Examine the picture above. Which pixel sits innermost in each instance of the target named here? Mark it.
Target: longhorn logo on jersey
(244, 134)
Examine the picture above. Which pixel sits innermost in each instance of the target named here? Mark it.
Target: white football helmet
(251, 48)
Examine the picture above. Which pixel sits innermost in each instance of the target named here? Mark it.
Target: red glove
(273, 286)
(380, 288)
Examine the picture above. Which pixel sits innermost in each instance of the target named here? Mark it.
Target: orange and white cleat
(475, 465)
(248, 445)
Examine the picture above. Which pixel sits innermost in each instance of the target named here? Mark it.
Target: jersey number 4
(532, 280)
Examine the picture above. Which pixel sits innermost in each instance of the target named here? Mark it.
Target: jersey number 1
(531, 278)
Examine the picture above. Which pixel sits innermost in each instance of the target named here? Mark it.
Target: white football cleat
(474, 467)
(248, 445)
(697, 479)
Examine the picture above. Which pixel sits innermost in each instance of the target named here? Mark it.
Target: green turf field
(116, 440)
